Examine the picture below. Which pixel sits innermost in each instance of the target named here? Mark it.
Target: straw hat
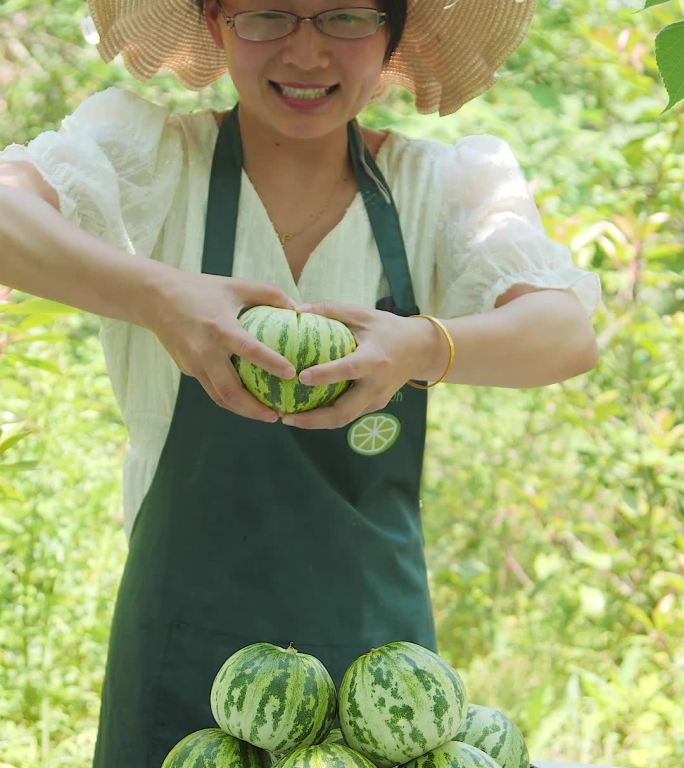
(448, 54)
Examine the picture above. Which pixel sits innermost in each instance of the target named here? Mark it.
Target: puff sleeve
(490, 235)
(114, 164)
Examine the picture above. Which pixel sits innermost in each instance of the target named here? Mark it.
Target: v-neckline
(277, 245)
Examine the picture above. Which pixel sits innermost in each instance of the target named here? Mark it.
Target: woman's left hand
(386, 356)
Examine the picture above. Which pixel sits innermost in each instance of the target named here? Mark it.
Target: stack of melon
(398, 705)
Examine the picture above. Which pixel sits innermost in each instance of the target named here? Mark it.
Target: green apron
(260, 532)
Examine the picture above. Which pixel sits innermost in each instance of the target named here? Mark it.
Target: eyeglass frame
(382, 20)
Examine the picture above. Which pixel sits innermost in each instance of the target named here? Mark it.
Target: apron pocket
(192, 657)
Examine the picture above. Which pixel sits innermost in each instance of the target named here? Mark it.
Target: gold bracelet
(452, 353)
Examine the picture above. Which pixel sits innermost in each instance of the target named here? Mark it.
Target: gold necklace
(284, 237)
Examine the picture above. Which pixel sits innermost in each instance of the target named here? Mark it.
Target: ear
(214, 20)
(211, 9)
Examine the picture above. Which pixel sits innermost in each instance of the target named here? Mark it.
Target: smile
(307, 94)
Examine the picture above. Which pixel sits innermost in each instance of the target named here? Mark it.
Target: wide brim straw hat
(448, 54)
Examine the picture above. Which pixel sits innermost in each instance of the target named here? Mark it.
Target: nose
(307, 47)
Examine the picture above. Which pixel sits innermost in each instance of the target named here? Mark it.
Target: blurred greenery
(553, 517)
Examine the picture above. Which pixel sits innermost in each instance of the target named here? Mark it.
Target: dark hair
(396, 11)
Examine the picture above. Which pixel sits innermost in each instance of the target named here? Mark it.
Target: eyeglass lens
(348, 23)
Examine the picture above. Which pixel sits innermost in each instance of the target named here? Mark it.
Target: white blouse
(137, 176)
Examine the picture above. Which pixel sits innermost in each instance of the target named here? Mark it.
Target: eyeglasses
(343, 23)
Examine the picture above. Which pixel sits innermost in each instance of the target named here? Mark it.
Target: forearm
(43, 254)
(537, 339)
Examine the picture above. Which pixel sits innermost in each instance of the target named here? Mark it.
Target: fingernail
(289, 373)
(305, 378)
(303, 307)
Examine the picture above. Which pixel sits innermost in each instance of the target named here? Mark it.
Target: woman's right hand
(195, 318)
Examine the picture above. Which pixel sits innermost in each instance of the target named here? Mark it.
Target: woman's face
(305, 57)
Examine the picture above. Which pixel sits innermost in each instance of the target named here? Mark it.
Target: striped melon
(398, 702)
(454, 754)
(491, 731)
(335, 737)
(275, 698)
(212, 748)
(327, 755)
(305, 339)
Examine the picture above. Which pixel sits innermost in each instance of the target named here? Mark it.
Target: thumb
(349, 314)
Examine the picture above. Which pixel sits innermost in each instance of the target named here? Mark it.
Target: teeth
(304, 93)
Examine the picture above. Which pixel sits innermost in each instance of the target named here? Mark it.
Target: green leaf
(640, 615)
(651, 3)
(669, 48)
(546, 96)
(8, 442)
(37, 306)
(668, 580)
(17, 466)
(602, 561)
(34, 362)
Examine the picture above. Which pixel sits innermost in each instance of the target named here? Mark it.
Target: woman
(247, 525)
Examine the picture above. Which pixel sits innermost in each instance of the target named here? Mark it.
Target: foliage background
(553, 517)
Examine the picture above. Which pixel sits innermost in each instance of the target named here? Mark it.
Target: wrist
(156, 289)
(432, 358)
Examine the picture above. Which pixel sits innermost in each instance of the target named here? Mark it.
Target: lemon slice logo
(373, 434)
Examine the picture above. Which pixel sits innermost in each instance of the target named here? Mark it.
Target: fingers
(233, 396)
(363, 362)
(348, 368)
(246, 346)
(221, 381)
(224, 387)
(349, 314)
(198, 325)
(359, 400)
